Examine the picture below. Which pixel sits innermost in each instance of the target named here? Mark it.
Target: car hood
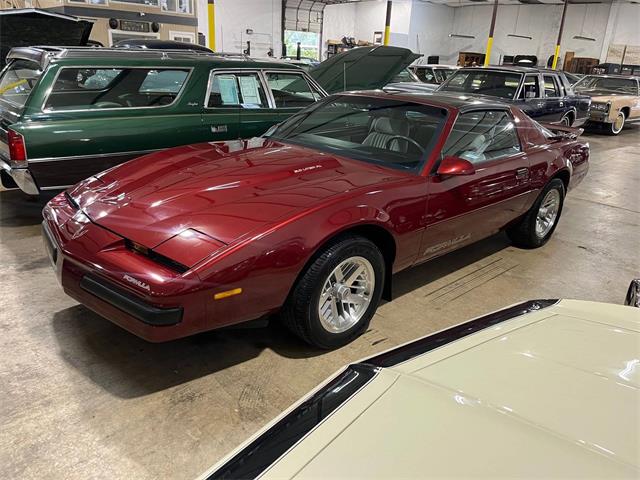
(29, 26)
(225, 191)
(363, 68)
(552, 393)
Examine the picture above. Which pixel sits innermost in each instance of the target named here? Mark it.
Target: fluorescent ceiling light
(519, 36)
(581, 37)
(458, 35)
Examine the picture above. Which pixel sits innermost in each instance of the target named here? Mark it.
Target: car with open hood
(311, 220)
(543, 389)
(543, 94)
(68, 113)
(615, 100)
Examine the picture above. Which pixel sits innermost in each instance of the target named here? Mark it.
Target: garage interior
(83, 398)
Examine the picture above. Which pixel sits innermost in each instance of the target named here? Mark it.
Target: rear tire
(538, 224)
(616, 127)
(324, 309)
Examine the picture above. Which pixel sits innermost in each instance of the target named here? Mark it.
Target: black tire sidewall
(557, 184)
(355, 247)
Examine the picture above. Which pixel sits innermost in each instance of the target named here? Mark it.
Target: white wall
(425, 27)
(234, 17)
(542, 22)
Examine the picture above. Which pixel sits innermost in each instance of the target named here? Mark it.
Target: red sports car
(312, 219)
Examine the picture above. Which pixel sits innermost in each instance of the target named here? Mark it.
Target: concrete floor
(82, 398)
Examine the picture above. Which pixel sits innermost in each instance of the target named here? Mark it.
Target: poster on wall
(632, 55)
(615, 53)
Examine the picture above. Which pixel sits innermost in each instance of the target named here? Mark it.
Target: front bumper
(22, 177)
(599, 116)
(94, 278)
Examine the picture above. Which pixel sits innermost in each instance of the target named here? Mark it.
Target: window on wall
(178, 6)
(309, 43)
(185, 37)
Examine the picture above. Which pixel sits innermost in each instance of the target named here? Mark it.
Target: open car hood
(362, 68)
(27, 27)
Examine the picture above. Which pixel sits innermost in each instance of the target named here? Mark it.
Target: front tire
(538, 224)
(337, 295)
(618, 124)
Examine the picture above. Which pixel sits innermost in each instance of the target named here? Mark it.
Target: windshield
(483, 82)
(392, 133)
(405, 75)
(608, 84)
(443, 73)
(18, 81)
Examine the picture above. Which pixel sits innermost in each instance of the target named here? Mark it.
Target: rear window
(18, 81)
(104, 88)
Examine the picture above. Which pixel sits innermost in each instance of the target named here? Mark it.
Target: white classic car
(545, 389)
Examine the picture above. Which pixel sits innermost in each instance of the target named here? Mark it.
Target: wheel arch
(563, 175)
(377, 234)
(626, 110)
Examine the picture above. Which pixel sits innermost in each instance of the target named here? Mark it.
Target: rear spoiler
(562, 132)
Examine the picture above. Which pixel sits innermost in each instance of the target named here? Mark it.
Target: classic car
(615, 100)
(66, 114)
(312, 219)
(433, 74)
(545, 95)
(544, 389)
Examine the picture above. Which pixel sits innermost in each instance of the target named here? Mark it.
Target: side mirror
(455, 166)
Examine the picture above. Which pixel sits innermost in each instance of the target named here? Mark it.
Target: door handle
(218, 128)
(522, 173)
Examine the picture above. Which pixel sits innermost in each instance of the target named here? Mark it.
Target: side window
(530, 88)
(90, 88)
(484, 135)
(163, 81)
(291, 90)
(236, 90)
(551, 87)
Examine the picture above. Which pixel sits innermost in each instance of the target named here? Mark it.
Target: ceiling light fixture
(519, 36)
(582, 37)
(459, 35)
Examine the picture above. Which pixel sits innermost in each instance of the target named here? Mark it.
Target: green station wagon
(68, 113)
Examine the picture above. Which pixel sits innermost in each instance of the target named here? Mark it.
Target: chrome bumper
(22, 177)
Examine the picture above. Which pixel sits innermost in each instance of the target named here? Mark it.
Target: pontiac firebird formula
(312, 219)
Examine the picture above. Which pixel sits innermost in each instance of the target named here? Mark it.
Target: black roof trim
(266, 449)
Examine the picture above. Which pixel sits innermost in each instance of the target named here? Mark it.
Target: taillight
(17, 149)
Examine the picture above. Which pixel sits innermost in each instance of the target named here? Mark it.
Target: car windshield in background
(405, 75)
(443, 73)
(483, 82)
(627, 86)
(393, 133)
(90, 88)
(18, 80)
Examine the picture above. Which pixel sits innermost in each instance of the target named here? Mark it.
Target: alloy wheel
(346, 294)
(547, 213)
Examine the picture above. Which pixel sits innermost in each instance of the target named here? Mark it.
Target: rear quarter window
(18, 81)
(105, 88)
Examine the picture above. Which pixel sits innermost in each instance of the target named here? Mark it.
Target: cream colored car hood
(553, 393)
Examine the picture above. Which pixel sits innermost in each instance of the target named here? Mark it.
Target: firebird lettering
(137, 282)
(306, 169)
(448, 243)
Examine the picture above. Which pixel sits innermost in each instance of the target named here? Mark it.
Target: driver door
(463, 209)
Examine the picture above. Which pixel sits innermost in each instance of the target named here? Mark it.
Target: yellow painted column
(211, 16)
(487, 54)
(387, 25)
(556, 55)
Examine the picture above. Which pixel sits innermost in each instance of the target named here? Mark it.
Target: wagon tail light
(17, 149)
